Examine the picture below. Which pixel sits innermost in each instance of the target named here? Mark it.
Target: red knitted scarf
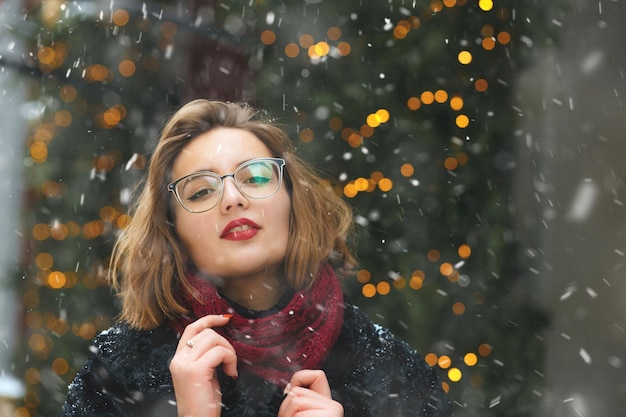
(273, 347)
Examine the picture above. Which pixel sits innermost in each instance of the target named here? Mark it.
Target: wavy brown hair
(149, 264)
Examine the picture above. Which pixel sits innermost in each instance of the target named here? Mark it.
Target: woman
(231, 304)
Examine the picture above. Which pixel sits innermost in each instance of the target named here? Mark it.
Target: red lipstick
(240, 229)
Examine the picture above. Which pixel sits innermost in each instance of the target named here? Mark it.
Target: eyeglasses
(203, 190)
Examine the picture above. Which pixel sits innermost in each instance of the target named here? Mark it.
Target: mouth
(240, 229)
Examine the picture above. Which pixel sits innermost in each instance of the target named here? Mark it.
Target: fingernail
(286, 391)
(227, 315)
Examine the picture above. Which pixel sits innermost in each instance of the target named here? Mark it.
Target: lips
(240, 229)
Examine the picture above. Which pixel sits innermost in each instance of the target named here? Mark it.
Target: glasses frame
(172, 186)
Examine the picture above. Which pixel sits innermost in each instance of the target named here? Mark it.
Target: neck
(259, 292)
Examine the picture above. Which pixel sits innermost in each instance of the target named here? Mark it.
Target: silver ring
(189, 343)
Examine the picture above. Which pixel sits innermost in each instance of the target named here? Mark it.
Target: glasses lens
(258, 179)
(199, 192)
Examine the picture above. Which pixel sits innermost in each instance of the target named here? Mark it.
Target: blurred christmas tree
(407, 108)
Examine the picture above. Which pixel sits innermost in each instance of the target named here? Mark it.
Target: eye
(256, 174)
(199, 188)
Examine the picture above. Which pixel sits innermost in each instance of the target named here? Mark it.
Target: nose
(231, 196)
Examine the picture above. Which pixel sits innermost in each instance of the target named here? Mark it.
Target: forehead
(219, 150)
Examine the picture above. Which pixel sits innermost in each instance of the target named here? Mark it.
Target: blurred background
(481, 144)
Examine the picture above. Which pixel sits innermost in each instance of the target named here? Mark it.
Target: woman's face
(239, 237)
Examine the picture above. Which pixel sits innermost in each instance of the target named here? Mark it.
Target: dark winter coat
(369, 372)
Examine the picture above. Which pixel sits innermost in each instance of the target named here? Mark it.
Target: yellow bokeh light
(56, 280)
(349, 190)
(97, 72)
(46, 55)
(41, 231)
(449, 3)
(465, 57)
(68, 93)
(485, 5)
(450, 163)
(504, 37)
(363, 276)
(87, 331)
(333, 33)
(126, 68)
(456, 103)
(376, 176)
(383, 115)
(373, 120)
(306, 135)
(355, 140)
(441, 96)
(31, 299)
(366, 131)
(399, 282)
(38, 343)
(488, 43)
(292, 50)
(60, 366)
(383, 288)
(470, 359)
(462, 121)
(58, 231)
(400, 32)
(481, 85)
(436, 6)
(487, 30)
(444, 362)
(407, 170)
(44, 261)
(268, 37)
(385, 184)
(120, 17)
(335, 124)
(431, 359)
(455, 374)
(32, 376)
(416, 282)
(465, 251)
(458, 308)
(169, 29)
(361, 184)
(413, 103)
(344, 48)
(63, 118)
(484, 349)
(368, 290)
(306, 41)
(433, 255)
(446, 268)
(414, 21)
(39, 152)
(427, 97)
(322, 49)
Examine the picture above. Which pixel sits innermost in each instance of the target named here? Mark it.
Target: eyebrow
(236, 166)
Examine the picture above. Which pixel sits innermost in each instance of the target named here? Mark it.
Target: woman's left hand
(308, 395)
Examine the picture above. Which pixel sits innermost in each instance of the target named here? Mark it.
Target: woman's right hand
(200, 351)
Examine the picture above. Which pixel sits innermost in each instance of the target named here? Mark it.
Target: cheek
(194, 232)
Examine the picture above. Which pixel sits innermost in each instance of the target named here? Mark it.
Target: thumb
(315, 380)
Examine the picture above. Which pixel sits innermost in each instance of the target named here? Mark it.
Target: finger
(208, 341)
(203, 341)
(303, 401)
(193, 329)
(315, 380)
